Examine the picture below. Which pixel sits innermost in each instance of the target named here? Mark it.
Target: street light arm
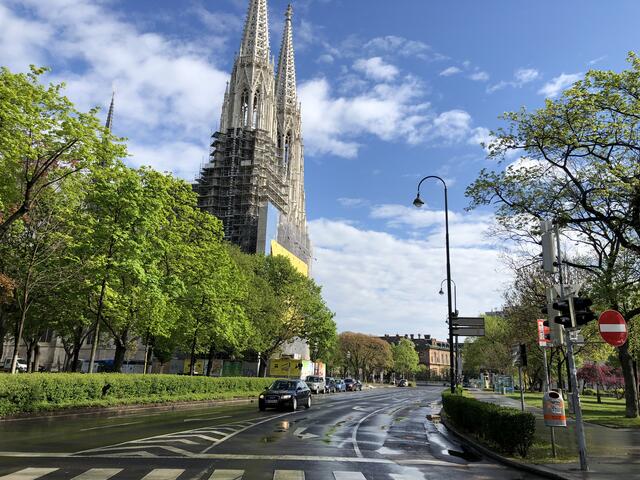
(428, 177)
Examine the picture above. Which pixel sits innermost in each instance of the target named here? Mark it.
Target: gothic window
(279, 140)
(256, 110)
(244, 108)
(287, 150)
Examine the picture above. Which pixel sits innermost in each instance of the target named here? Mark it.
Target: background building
(432, 353)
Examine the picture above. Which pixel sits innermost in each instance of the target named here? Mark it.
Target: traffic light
(564, 313)
(556, 329)
(582, 311)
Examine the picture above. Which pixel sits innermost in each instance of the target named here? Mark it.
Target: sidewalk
(610, 451)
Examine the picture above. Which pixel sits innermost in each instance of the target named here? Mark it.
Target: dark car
(330, 385)
(285, 394)
(340, 385)
(352, 385)
(403, 383)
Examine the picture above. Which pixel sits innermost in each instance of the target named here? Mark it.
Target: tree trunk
(212, 352)
(192, 366)
(18, 334)
(118, 358)
(29, 354)
(76, 357)
(630, 390)
(36, 357)
(3, 330)
(598, 392)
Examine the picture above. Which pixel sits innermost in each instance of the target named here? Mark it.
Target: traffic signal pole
(573, 382)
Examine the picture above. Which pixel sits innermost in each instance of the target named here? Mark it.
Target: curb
(527, 467)
(160, 407)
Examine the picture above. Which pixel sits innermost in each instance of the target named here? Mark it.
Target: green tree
(405, 357)
(43, 139)
(579, 166)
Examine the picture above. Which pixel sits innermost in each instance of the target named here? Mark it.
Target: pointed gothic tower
(254, 180)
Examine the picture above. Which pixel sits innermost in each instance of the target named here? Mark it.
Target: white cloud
(453, 125)
(390, 112)
(526, 75)
(447, 72)
(325, 58)
(380, 283)
(479, 76)
(165, 88)
(352, 202)
(376, 68)
(392, 44)
(521, 77)
(558, 84)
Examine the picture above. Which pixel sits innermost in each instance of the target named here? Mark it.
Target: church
(254, 179)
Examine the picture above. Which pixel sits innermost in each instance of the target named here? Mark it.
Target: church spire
(108, 124)
(255, 39)
(286, 81)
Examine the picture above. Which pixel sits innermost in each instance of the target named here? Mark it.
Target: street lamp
(455, 295)
(418, 202)
(455, 312)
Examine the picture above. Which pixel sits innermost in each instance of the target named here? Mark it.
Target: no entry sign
(613, 328)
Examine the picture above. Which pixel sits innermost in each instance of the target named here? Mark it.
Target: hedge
(34, 392)
(508, 429)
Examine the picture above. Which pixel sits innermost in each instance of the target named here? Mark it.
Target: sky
(390, 92)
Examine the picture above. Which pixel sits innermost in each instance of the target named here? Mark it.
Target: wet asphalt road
(375, 434)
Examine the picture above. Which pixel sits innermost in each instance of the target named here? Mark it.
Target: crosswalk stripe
(28, 474)
(401, 476)
(288, 475)
(163, 474)
(349, 476)
(219, 474)
(98, 474)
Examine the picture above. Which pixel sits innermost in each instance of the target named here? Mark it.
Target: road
(375, 434)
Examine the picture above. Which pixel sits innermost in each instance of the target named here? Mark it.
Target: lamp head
(418, 201)
(441, 292)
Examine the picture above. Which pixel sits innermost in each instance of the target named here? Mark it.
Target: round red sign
(613, 328)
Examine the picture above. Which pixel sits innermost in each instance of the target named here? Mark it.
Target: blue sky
(390, 91)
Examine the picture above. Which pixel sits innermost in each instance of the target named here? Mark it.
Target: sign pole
(547, 387)
(573, 383)
(521, 391)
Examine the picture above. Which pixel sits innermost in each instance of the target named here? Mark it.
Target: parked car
(403, 383)
(352, 385)
(330, 385)
(316, 384)
(21, 365)
(340, 385)
(285, 394)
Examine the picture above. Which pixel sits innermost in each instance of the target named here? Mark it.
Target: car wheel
(294, 404)
(262, 407)
(308, 405)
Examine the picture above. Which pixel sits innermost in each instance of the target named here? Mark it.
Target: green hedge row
(50, 391)
(510, 430)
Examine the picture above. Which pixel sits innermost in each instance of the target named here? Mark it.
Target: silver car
(315, 384)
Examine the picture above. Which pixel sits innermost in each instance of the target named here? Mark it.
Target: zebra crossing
(174, 474)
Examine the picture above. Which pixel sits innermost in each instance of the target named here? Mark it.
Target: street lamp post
(455, 312)
(418, 203)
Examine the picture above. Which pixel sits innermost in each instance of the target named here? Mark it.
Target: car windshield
(314, 379)
(283, 385)
(348, 380)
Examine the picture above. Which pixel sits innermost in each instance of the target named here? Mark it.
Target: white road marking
(349, 476)
(98, 474)
(28, 474)
(109, 426)
(246, 428)
(300, 433)
(163, 474)
(288, 475)
(227, 475)
(162, 440)
(205, 418)
(354, 432)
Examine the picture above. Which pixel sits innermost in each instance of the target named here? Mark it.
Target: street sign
(468, 332)
(613, 328)
(467, 322)
(542, 334)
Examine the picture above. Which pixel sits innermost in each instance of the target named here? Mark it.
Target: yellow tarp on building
(299, 265)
